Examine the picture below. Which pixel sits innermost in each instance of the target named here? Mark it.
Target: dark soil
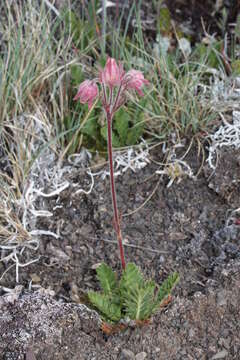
(193, 18)
(190, 227)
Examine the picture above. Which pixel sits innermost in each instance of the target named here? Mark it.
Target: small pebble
(141, 356)
(95, 266)
(222, 297)
(220, 355)
(127, 355)
(35, 278)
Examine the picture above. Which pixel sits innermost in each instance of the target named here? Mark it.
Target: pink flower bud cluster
(87, 92)
(113, 75)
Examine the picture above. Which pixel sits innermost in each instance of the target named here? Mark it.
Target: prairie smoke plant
(130, 297)
(114, 84)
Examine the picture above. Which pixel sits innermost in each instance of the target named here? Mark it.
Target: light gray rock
(141, 356)
(220, 355)
(127, 354)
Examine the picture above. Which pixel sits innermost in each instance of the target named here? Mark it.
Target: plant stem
(113, 191)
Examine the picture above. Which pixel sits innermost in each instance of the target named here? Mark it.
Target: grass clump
(175, 105)
(29, 68)
(31, 62)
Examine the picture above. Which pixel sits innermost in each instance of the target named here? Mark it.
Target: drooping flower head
(112, 99)
(112, 74)
(87, 93)
(135, 80)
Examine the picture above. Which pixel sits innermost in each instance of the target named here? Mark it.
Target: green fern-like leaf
(110, 310)
(107, 279)
(121, 124)
(115, 139)
(167, 287)
(140, 301)
(131, 278)
(132, 296)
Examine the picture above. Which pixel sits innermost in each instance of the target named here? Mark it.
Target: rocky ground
(191, 227)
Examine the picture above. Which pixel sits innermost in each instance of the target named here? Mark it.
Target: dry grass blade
(33, 60)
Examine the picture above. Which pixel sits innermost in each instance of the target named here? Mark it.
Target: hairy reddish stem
(113, 191)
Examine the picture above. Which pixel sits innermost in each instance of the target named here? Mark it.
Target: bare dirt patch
(191, 227)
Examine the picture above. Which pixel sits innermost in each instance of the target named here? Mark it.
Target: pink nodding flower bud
(135, 80)
(87, 93)
(112, 73)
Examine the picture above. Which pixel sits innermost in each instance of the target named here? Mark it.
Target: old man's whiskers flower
(112, 74)
(87, 93)
(136, 81)
(131, 297)
(114, 83)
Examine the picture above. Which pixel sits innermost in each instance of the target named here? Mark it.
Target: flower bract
(112, 74)
(87, 92)
(135, 81)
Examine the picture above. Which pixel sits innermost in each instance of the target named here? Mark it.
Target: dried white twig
(105, 5)
(175, 169)
(227, 134)
(91, 186)
(18, 264)
(52, 7)
(44, 232)
(133, 159)
(62, 187)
